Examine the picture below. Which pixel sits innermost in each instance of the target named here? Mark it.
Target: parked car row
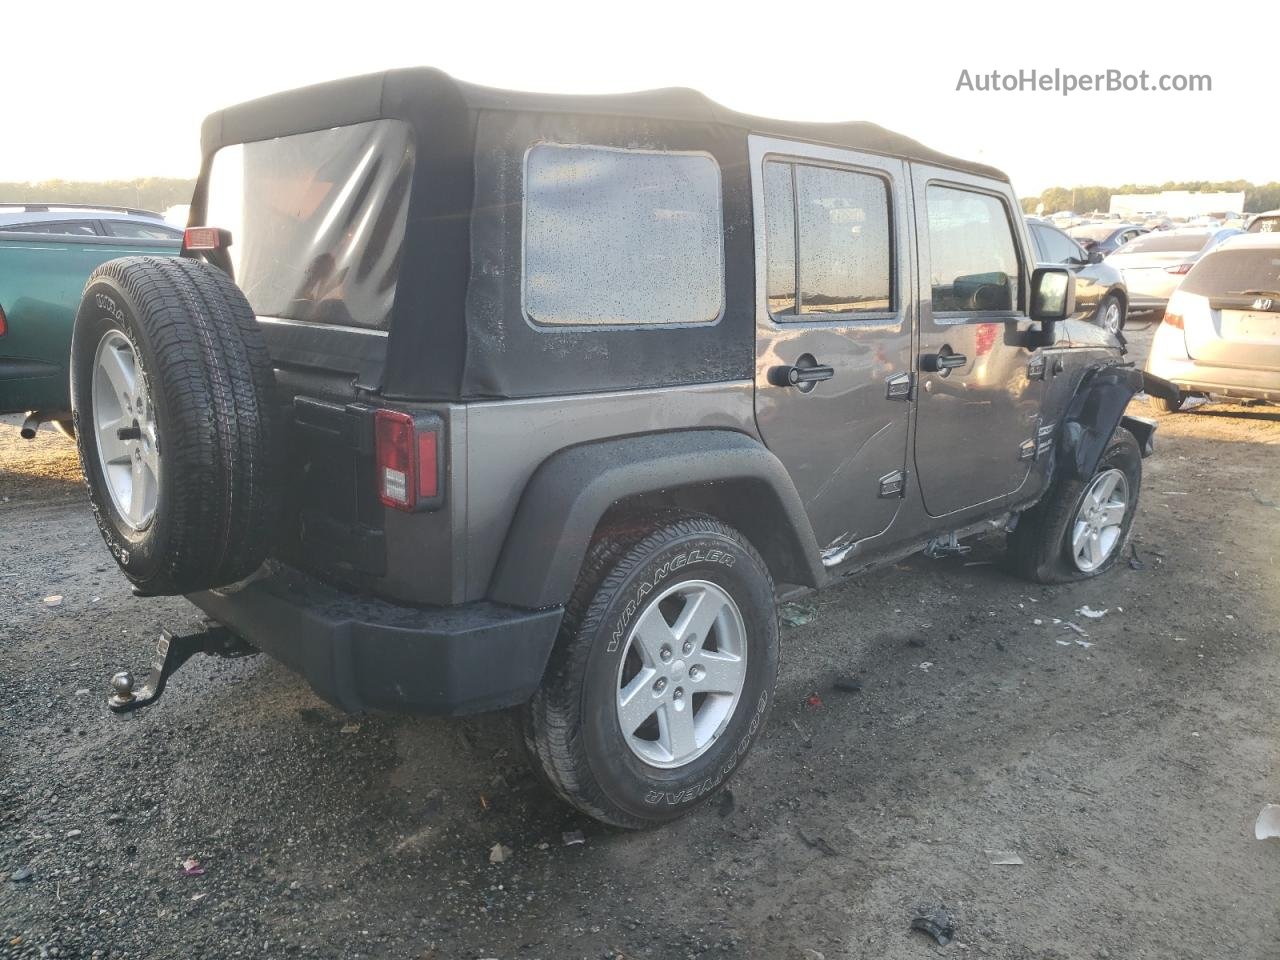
(1100, 290)
(1155, 264)
(1221, 331)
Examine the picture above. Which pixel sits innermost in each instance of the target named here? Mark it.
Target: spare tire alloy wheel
(124, 424)
(663, 674)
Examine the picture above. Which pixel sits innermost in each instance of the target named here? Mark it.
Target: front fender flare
(1093, 415)
(571, 490)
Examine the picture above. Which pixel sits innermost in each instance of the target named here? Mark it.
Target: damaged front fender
(1093, 415)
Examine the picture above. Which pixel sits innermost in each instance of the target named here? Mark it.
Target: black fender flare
(571, 491)
(1093, 415)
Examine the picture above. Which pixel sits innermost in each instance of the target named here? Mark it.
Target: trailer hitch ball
(122, 688)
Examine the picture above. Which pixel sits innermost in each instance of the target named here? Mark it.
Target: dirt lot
(1126, 774)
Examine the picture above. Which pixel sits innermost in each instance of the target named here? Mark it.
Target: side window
(133, 230)
(828, 239)
(621, 237)
(1058, 247)
(74, 228)
(973, 259)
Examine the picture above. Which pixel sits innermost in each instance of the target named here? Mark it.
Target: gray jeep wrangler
(467, 399)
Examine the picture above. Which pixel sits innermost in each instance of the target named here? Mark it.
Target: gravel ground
(1126, 774)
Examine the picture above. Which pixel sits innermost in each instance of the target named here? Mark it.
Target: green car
(46, 255)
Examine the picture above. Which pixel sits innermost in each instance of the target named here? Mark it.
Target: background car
(1153, 265)
(46, 255)
(1105, 238)
(1266, 222)
(73, 219)
(1221, 331)
(1100, 291)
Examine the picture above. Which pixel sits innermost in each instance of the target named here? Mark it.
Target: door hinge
(901, 386)
(894, 484)
(1035, 367)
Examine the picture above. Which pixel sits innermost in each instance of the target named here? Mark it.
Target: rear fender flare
(571, 491)
(1093, 415)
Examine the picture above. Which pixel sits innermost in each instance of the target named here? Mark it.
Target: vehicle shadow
(1269, 414)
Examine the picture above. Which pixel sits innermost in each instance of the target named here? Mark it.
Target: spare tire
(172, 397)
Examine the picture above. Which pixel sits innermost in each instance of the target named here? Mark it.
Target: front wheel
(662, 676)
(1080, 527)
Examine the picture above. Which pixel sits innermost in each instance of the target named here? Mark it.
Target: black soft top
(419, 92)
(458, 329)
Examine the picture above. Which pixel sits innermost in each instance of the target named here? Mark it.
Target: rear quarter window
(618, 237)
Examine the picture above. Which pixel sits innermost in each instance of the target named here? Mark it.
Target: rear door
(978, 410)
(834, 294)
(1241, 328)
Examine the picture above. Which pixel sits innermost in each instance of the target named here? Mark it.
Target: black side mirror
(1053, 298)
(1096, 256)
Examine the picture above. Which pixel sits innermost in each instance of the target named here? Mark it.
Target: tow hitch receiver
(171, 653)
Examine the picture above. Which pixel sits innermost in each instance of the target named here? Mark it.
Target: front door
(978, 409)
(833, 331)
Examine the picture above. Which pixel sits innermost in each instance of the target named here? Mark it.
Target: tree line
(147, 193)
(1257, 196)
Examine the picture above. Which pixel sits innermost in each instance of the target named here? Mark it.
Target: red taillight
(1173, 320)
(408, 459)
(206, 238)
(4, 323)
(1178, 269)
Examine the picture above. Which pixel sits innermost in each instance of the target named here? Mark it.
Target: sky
(120, 94)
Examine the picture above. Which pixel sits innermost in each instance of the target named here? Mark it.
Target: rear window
(317, 220)
(1270, 224)
(1167, 243)
(1234, 272)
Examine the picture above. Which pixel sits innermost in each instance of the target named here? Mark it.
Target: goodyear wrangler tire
(662, 676)
(171, 391)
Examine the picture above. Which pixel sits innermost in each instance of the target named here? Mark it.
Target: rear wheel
(663, 674)
(1110, 315)
(1080, 527)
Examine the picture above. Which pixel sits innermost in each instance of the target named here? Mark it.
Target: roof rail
(51, 207)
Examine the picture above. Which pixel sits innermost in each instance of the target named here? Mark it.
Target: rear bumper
(360, 653)
(1143, 303)
(1192, 377)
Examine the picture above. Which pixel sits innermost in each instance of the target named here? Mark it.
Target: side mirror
(1096, 256)
(1053, 298)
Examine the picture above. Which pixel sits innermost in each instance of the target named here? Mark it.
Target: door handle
(942, 362)
(800, 376)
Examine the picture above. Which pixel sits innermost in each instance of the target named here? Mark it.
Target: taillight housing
(1178, 269)
(4, 322)
(1172, 319)
(410, 467)
(204, 239)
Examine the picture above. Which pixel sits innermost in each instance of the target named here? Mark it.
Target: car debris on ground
(1004, 858)
(936, 921)
(1268, 822)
